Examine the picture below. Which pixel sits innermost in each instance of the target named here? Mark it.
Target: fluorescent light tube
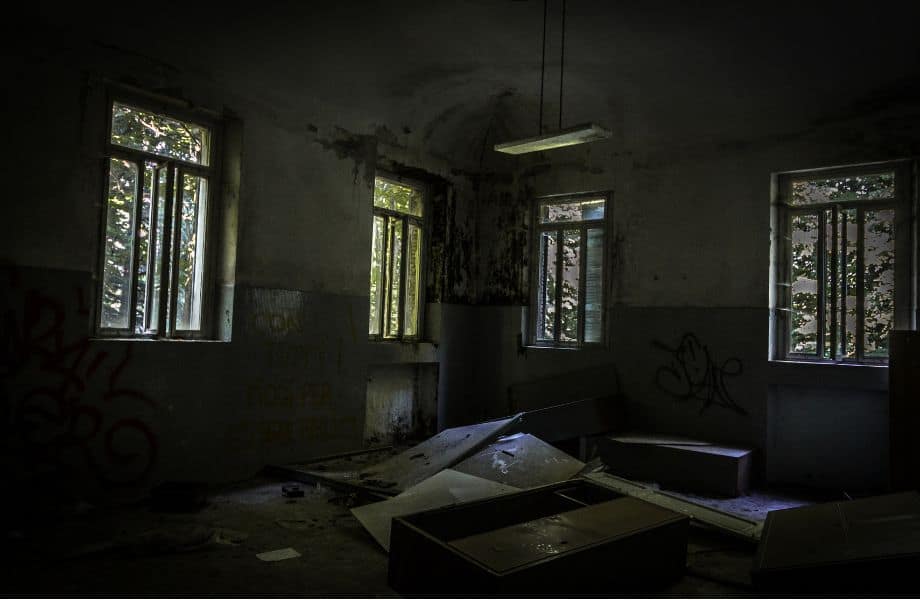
(579, 134)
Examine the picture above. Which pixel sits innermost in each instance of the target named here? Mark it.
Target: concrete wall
(705, 103)
(123, 415)
(690, 233)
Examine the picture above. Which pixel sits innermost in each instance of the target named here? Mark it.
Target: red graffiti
(77, 411)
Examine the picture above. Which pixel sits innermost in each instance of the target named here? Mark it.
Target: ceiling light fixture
(579, 134)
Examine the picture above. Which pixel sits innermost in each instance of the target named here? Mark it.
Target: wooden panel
(850, 547)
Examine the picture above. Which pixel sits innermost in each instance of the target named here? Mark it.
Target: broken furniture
(396, 474)
(537, 542)
(521, 460)
(678, 462)
(867, 546)
(446, 488)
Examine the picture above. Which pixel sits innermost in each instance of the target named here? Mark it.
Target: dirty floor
(135, 551)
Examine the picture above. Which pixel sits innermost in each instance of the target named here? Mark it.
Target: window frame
(422, 223)
(904, 205)
(176, 169)
(537, 230)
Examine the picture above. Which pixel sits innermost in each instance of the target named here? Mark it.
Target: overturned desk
(538, 541)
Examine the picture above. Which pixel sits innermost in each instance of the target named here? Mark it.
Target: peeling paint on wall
(362, 149)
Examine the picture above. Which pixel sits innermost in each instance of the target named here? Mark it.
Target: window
(396, 259)
(843, 262)
(160, 178)
(568, 291)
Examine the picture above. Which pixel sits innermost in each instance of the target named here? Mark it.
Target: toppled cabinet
(866, 547)
(680, 464)
(546, 540)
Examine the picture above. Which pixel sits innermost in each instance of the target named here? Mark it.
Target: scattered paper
(282, 554)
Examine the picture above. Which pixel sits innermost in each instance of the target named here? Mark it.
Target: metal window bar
(540, 288)
(151, 247)
(787, 292)
(165, 255)
(176, 217)
(136, 243)
(842, 250)
(835, 263)
(582, 281)
(403, 272)
(820, 284)
(557, 324)
(388, 291)
(417, 313)
(860, 283)
(384, 283)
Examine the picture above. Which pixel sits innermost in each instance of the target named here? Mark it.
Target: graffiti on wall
(691, 374)
(63, 398)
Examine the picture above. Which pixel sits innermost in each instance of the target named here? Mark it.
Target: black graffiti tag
(692, 374)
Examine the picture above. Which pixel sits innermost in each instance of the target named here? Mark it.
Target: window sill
(591, 348)
(167, 340)
(829, 374)
(822, 363)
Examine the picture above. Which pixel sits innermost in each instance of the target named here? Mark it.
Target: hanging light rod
(579, 134)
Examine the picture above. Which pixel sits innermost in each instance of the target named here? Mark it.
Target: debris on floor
(689, 465)
(291, 490)
(538, 541)
(484, 504)
(851, 547)
(446, 488)
(398, 473)
(276, 555)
